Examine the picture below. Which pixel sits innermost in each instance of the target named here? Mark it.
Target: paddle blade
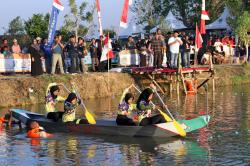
(166, 117)
(90, 117)
(180, 130)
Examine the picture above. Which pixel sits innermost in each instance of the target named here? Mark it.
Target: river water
(225, 141)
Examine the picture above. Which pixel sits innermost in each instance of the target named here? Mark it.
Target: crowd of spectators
(68, 57)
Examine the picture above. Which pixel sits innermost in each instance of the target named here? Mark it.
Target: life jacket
(2, 120)
(190, 87)
(34, 133)
(37, 133)
(143, 107)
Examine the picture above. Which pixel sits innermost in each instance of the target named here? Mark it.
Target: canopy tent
(130, 30)
(172, 22)
(221, 22)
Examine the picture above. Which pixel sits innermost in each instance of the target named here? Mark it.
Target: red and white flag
(99, 17)
(107, 52)
(58, 5)
(124, 16)
(204, 17)
(198, 39)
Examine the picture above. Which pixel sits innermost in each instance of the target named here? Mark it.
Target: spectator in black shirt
(186, 52)
(82, 52)
(93, 54)
(72, 49)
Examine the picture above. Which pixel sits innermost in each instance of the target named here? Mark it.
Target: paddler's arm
(60, 98)
(123, 95)
(49, 86)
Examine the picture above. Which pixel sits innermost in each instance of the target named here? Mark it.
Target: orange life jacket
(2, 120)
(36, 133)
(190, 87)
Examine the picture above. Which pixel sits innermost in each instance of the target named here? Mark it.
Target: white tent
(172, 22)
(131, 29)
(221, 22)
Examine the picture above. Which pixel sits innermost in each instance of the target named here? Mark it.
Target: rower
(125, 108)
(7, 120)
(51, 99)
(70, 105)
(145, 108)
(37, 131)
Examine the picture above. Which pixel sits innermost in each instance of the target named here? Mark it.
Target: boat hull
(102, 127)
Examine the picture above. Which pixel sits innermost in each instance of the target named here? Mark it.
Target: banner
(129, 57)
(15, 63)
(56, 7)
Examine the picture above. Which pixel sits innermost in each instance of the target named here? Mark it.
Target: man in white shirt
(218, 45)
(174, 46)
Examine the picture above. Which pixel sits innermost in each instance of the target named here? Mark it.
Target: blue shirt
(57, 49)
(47, 50)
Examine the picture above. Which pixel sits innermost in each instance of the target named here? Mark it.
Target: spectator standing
(130, 44)
(99, 45)
(157, 47)
(186, 52)
(82, 53)
(174, 46)
(47, 51)
(218, 45)
(150, 59)
(36, 59)
(72, 49)
(57, 50)
(16, 47)
(142, 47)
(93, 54)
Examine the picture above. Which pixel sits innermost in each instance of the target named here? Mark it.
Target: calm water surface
(226, 141)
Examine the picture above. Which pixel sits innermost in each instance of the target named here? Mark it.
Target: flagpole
(108, 65)
(195, 46)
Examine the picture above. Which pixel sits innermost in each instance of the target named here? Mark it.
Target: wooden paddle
(181, 131)
(90, 118)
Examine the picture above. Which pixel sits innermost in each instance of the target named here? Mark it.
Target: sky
(110, 10)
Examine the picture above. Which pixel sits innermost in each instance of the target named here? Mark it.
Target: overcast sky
(9, 9)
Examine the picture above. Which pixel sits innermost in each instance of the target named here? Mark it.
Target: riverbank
(24, 89)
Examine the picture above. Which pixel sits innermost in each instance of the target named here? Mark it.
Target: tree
(111, 32)
(150, 12)
(37, 25)
(76, 19)
(16, 27)
(242, 29)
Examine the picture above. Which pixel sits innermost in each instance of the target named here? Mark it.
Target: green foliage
(149, 12)
(152, 12)
(78, 19)
(111, 32)
(37, 25)
(243, 27)
(16, 27)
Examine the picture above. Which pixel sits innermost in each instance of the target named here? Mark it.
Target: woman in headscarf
(70, 105)
(145, 108)
(36, 59)
(51, 99)
(125, 109)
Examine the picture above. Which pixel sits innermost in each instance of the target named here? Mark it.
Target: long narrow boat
(109, 127)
